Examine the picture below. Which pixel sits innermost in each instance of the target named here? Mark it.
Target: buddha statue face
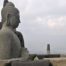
(10, 13)
(13, 20)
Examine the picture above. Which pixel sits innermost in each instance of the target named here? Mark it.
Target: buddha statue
(10, 46)
(10, 43)
(19, 34)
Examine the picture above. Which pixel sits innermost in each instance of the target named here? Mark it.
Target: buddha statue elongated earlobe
(8, 20)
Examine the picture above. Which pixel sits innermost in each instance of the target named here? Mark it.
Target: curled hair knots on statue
(8, 9)
(10, 4)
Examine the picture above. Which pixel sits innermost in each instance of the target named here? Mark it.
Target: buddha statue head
(10, 14)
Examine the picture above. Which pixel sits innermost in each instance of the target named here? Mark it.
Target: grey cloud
(52, 7)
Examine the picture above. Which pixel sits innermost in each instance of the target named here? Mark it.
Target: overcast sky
(42, 22)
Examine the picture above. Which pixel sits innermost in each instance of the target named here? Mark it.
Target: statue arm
(20, 36)
(22, 41)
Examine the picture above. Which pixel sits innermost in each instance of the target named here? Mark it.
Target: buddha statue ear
(8, 20)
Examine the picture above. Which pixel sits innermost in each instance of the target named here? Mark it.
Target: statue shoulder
(5, 33)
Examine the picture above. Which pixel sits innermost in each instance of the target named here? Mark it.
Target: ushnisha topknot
(5, 2)
(10, 4)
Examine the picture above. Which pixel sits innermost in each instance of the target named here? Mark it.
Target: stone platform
(44, 62)
(23, 63)
(31, 63)
(57, 61)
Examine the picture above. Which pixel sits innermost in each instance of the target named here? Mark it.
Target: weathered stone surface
(10, 44)
(57, 61)
(30, 63)
(9, 7)
(20, 36)
(8, 62)
(45, 62)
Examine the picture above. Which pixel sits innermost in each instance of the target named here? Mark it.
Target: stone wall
(31, 63)
(57, 61)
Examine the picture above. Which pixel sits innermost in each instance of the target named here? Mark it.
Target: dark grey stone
(30, 63)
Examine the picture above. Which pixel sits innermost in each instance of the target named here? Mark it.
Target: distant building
(48, 48)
